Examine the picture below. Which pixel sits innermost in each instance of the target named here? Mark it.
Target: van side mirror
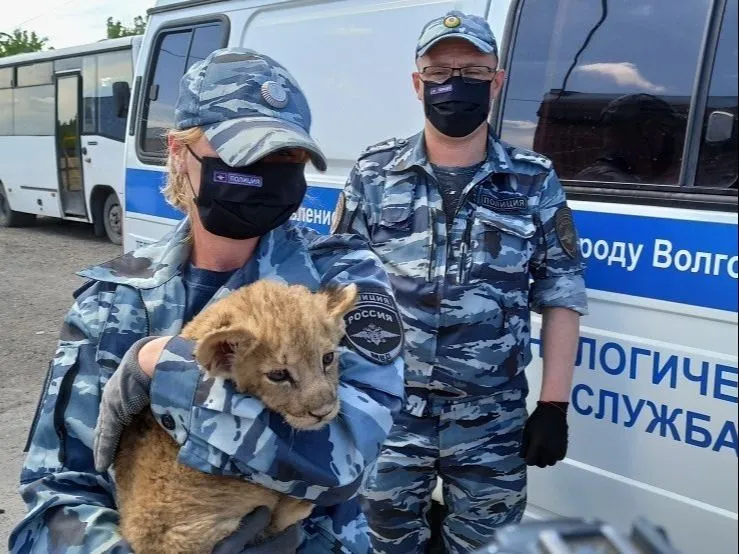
(720, 127)
(121, 98)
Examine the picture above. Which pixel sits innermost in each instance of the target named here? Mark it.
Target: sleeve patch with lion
(374, 328)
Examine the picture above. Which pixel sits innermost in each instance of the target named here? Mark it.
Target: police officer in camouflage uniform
(475, 234)
(236, 165)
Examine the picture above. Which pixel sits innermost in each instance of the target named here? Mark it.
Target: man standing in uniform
(474, 234)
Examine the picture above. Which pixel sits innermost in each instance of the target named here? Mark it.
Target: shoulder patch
(374, 328)
(565, 229)
(384, 146)
(338, 212)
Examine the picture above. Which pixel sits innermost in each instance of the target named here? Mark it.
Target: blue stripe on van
(644, 280)
(697, 288)
(144, 196)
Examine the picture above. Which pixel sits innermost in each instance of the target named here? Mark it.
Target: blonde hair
(177, 190)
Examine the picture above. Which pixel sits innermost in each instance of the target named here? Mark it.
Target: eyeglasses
(438, 74)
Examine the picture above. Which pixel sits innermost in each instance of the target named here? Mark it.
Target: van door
(615, 93)
(69, 155)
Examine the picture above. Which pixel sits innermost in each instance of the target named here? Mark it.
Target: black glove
(251, 526)
(545, 435)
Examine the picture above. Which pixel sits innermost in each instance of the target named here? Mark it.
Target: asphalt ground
(37, 278)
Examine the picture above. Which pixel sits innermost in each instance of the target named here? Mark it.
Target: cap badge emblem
(274, 94)
(452, 21)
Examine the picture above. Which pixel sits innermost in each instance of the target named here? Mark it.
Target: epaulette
(384, 146)
(529, 156)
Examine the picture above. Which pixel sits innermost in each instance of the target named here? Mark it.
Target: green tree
(20, 42)
(115, 29)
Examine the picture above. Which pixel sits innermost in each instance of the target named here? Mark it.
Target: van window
(590, 88)
(717, 165)
(175, 52)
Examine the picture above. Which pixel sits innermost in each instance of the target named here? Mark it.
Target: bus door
(68, 147)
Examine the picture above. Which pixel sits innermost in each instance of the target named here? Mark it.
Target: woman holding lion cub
(236, 162)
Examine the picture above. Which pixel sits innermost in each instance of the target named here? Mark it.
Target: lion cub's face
(278, 343)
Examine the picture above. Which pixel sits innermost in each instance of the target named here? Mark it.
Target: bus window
(89, 95)
(588, 88)
(6, 101)
(33, 110)
(176, 51)
(67, 64)
(112, 67)
(6, 77)
(36, 74)
(6, 111)
(717, 164)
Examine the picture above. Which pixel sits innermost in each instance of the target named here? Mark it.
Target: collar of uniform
(498, 160)
(149, 266)
(413, 154)
(153, 265)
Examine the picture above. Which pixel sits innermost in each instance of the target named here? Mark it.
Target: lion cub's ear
(215, 352)
(340, 301)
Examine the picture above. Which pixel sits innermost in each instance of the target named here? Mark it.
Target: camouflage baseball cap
(248, 105)
(456, 24)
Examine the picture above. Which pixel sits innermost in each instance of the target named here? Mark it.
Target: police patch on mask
(374, 328)
(565, 228)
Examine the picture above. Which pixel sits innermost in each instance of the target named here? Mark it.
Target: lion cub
(276, 343)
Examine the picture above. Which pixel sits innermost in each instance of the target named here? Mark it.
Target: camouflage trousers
(474, 448)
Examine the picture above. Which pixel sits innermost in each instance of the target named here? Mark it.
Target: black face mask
(247, 202)
(456, 108)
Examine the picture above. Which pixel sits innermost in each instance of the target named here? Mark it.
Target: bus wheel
(10, 218)
(113, 219)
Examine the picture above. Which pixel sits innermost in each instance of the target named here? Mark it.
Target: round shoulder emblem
(566, 232)
(274, 94)
(452, 21)
(374, 328)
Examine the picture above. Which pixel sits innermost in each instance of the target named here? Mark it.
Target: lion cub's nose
(323, 411)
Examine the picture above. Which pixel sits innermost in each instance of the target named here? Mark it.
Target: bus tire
(11, 218)
(112, 216)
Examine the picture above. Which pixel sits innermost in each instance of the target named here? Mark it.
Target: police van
(635, 102)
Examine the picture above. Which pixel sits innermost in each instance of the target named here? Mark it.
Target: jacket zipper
(432, 245)
(465, 248)
(146, 313)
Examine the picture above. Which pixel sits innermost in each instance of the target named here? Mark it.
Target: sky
(69, 22)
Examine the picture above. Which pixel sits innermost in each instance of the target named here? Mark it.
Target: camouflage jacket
(466, 287)
(72, 508)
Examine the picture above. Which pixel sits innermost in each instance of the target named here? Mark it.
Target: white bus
(635, 101)
(62, 126)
